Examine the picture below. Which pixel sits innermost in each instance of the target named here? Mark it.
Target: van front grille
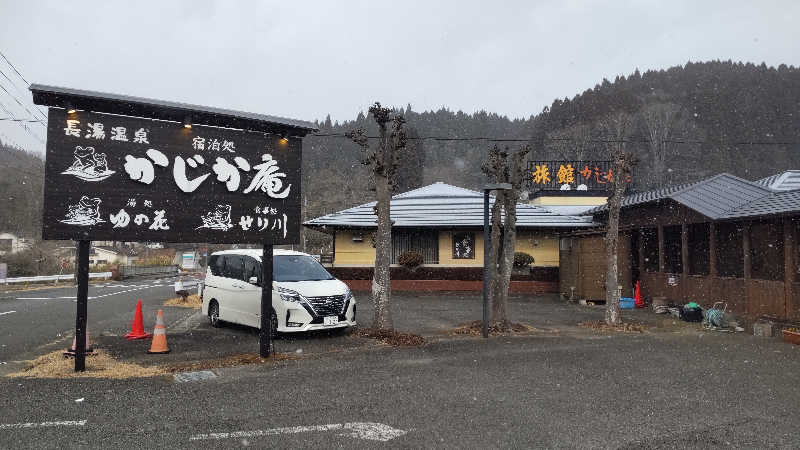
(327, 306)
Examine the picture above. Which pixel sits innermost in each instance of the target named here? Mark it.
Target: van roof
(257, 252)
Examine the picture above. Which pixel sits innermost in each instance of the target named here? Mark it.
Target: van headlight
(289, 295)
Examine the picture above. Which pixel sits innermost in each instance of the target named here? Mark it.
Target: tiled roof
(443, 205)
(784, 181)
(726, 196)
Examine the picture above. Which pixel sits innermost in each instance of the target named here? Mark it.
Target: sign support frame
(265, 332)
(82, 301)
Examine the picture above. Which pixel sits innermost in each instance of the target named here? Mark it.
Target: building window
(699, 249)
(650, 246)
(425, 242)
(766, 251)
(464, 246)
(730, 261)
(672, 249)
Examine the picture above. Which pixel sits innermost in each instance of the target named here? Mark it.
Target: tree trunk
(500, 307)
(611, 241)
(381, 283)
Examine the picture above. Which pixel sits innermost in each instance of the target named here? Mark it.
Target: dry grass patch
(192, 301)
(98, 365)
(391, 337)
(600, 325)
(229, 361)
(475, 328)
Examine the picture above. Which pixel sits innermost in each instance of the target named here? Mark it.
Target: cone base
(150, 352)
(133, 337)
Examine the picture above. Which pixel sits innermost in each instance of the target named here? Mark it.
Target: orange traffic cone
(137, 330)
(638, 301)
(89, 349)
(159, 344)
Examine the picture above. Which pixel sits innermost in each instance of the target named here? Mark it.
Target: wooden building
(720, 239)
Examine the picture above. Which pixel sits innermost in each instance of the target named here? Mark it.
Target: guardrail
(133, 271)
(103, 275)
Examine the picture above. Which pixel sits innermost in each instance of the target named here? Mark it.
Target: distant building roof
(784, 181)
(443, 205)
(726, 196)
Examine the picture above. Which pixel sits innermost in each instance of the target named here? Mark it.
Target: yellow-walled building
(445, 224)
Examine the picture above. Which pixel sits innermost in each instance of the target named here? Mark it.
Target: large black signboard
(570, 175)
(110, 177)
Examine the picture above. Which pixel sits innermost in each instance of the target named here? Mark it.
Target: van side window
(217, 265)
(252, 268)
(234, 267)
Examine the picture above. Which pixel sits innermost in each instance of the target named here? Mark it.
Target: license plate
(330, 320)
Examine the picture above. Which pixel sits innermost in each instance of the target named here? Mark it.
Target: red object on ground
(137, 330)
(639, 303)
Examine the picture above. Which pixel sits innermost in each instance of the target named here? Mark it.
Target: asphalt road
(31, 319)
(580, 391)
(571, 388)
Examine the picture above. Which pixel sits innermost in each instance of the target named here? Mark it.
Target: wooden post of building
(641, 253)
(712, 249)
(748, 272)
(685, 260)
(789, 265)
(748, 267)
(661, 248)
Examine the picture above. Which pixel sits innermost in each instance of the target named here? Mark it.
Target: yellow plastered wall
(446, 250)
(349, 252)
(541, 245)
(568, 201)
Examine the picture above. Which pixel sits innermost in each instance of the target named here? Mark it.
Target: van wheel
(213, 314)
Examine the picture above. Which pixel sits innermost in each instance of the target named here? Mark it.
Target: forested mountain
(21, 183)
(729, 114)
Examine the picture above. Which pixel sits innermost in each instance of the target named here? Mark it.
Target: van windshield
(298, 268)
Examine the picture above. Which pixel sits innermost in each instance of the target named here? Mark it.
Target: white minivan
(304, 295)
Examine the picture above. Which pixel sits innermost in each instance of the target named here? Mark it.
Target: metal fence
(56, 278)
(137, 271)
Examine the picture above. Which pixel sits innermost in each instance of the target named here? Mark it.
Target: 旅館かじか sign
(110, 177)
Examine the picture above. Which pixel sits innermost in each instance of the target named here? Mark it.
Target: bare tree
(617, 129)
(659, 121)
(502, 167)
(571, 143)
(383, 161)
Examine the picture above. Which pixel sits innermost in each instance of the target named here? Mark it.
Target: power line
(567, 139)
(35, 108)
(19, 75)
(21, 120)
(494, 139)
(21, 124)
(19, 103)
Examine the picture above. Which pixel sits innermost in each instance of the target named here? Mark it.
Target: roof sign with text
(571, 175)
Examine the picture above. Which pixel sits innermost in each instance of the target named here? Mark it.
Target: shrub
(522, 259)
(411, 259)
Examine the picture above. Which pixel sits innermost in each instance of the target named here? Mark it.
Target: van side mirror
(253, 280)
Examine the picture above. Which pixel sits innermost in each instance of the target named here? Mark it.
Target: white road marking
(371, 431)
(7, 312)
(91, 297)
(62, 423)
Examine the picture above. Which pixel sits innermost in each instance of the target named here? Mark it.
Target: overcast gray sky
(307, 59)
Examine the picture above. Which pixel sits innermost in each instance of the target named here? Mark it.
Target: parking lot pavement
(568, 387)
(659, 390)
